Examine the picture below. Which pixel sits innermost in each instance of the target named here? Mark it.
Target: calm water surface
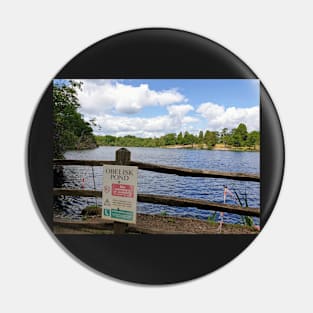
(210, 189)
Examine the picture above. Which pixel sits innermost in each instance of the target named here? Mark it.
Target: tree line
(70, 131)
(237, 137)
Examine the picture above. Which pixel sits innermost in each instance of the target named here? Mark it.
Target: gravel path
(153, 224)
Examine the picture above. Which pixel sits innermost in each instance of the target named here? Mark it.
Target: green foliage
(212, 218)
(170, 139)
(70, 131)
(253, 139)
(224, 136)
(91, 210)
(210, 138)
(247, 220)
(238, 137)
(188, 139)
(200, 136)
(128, 141)
(180, 139)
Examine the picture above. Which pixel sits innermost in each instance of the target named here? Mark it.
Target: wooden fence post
(122, 157)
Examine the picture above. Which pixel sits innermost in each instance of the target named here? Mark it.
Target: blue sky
(153, 107)
(228, 92)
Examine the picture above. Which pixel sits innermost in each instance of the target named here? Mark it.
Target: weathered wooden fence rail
(167, 200)
(166, 169)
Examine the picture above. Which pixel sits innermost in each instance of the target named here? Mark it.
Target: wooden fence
(123, 157)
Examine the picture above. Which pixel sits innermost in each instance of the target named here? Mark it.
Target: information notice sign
(119, 194)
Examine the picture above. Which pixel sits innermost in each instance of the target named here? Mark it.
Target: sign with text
(119, 194)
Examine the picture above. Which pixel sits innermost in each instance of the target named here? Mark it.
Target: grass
(91, 210)
(212, 218)
(247, 220)
(163, 213)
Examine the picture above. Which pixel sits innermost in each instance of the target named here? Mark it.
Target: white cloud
(112, 102)
(157, 126)
(218, 117)
(179, 110)
(104, 96)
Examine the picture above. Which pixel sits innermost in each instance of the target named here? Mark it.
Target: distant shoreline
(217, 147)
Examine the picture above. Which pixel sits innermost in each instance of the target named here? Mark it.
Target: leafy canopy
(70, 131)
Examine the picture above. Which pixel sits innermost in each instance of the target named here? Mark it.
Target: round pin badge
(155, 156)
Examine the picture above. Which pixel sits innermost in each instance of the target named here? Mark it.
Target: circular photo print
(155, 156)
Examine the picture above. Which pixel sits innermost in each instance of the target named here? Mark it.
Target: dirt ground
(149, 224)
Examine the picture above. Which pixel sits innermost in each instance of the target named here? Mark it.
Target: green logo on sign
(122, 214)
(107, 212)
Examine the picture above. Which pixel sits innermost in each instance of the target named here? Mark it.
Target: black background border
(155, 53)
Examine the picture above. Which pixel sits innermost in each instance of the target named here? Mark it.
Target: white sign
(119, 194)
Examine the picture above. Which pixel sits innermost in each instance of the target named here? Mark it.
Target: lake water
(210, 189)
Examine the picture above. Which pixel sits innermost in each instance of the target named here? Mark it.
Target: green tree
(223, 136)
(253, 139)
(243, 133)
(239, 135)
(234, 138)
(70, 131)
(189, 139)
(210, 138)
(170, 139)
(200, 136)
(180, 138)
